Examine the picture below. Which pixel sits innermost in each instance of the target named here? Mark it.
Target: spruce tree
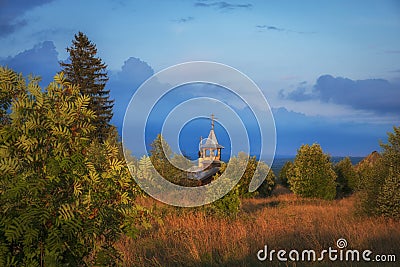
(89, 73)
(380, 180)
(347, 178)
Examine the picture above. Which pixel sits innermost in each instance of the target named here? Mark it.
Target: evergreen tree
(283, 174)
(165, 162)
(312, 174)
(89, 73)
(380, 190)
(389, 196)
(249, 165)
(347, 177)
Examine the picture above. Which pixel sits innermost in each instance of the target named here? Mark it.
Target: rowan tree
(64, 198)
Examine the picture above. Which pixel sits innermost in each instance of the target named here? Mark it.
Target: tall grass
(190, 237)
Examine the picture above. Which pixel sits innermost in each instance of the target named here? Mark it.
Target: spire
(211, 141)
(212, 121)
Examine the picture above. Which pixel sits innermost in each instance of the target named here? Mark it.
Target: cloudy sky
(330, 70)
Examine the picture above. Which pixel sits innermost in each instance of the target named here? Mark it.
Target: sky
(330, 70)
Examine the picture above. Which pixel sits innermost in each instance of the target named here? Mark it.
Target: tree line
(375, 182)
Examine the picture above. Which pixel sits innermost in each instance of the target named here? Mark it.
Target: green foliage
(89, 72)
(283, 174)
(10, 86)
(64, 199)
(269, 183)
(389, 196)
(249, 165)
(312, 174)
(372, 178)
(227, 206)
(347, 177)
(164, 162)
(380, 182)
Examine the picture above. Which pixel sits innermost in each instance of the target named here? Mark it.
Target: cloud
(392, 51)
(184, 20)
(376, 95)
(222, 5)
(263, 27)
(272, 28)
(123, 84)
(338, 138)
(41, 60)
(10, 11)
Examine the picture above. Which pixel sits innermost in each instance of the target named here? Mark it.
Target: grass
(190, 237)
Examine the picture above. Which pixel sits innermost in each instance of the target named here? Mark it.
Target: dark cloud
(377, 95)
(12, 10)
(222, 5)
(41, 60)
(299, 94)
(184, 20)
(123, 84)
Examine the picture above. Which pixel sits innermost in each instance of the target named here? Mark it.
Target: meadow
(191, 237)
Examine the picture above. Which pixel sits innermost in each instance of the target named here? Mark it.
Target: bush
(227, 206)
(312, 174)
(64, 199)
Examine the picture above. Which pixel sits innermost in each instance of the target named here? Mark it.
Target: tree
(64, 198)
(283, 173)
(312, 174)
(347, 177)
(246, 166)
(380, 190)
(165, 162)
(389, 196)
(89, 73)
(268, 184)
(229, 204)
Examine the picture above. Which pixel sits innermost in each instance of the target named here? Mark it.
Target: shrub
(312, 174)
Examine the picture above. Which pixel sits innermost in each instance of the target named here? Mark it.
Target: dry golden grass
(189, 237)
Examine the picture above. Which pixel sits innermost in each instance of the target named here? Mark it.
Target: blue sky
(330, 70)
